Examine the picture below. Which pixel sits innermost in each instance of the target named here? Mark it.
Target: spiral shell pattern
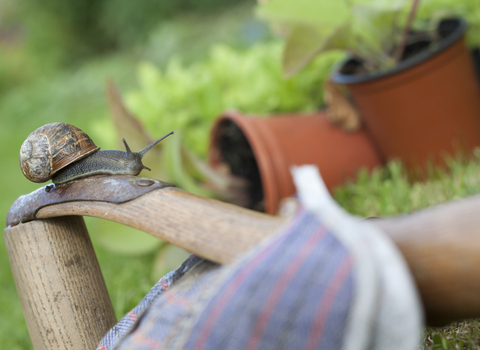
(51, 148)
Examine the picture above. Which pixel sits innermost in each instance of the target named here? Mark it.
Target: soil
(238, 155)
(476, 61)
(417, 42)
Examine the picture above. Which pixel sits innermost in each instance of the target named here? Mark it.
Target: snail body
(62, 153)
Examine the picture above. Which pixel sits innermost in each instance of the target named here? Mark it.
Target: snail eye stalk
(146, 149)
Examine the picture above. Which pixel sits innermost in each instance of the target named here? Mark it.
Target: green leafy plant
(468, 9)
(311, 28)
(187, 99)
(372, 30)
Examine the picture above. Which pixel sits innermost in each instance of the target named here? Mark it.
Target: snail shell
(51, 148)
(63, 153)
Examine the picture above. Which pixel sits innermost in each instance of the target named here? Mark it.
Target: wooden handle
(442, 248)
(209, 228)
(61, 288)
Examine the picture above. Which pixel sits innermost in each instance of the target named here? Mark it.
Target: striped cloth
(127, 322)
(325, 281)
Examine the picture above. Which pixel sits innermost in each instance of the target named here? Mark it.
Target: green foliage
(389, 190)
(362, 28)
(315, 13)
(190, 98)
(128, 278)
(369, 29)
(128, 23)
(458, 335)
(187, 99)
(63, 33)
(468, 9)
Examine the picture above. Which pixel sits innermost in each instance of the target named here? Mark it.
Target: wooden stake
(61, 288)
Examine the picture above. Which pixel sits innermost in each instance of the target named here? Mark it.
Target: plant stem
(406, 31)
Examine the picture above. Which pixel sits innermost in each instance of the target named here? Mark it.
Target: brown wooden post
(61, 288)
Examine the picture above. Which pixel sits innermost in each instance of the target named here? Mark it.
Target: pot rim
(445, 43)
(258, 144)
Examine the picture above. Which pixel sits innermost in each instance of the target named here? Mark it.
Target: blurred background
(177, 65)
(55, 58)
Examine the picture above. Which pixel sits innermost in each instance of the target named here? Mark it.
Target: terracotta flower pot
(263, 150)
(426, 107)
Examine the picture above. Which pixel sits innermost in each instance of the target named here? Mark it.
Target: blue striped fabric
(127, 322)
(283, 296)
(292, 292)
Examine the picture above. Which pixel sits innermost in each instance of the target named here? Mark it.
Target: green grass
(389, 191)
(459, 335)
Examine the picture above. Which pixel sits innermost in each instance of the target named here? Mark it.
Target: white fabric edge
(371, 247)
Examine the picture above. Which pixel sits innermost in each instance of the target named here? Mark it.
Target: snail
(62, 152)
